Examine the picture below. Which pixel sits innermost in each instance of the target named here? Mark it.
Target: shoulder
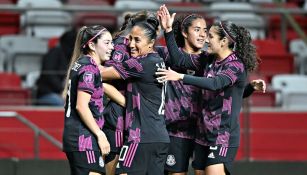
(86, 65)
(235, 64)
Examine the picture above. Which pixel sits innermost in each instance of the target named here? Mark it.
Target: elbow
(80, 108)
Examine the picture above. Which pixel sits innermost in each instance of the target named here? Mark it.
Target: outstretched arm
(177, 58)
(213, 84)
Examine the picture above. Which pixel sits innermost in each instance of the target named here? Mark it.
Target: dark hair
(182, 24)
(150, 26)
(84, 36)
(92, 33)
(130, 19)
(240, 42)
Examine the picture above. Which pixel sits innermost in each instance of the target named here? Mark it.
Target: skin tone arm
(109, 73)
(114, 94)
(86, 115)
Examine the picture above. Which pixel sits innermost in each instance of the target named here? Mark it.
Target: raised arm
(176, 58)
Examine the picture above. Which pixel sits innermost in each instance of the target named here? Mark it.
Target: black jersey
(182, 103)
(223, 86)
(114, 113)
(144, 120)
(84, 76)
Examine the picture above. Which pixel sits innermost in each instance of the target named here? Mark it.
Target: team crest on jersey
(101, 162)
(88, 77)
(170, 161)
(118, 56)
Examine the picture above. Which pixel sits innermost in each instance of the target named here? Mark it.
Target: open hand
(259, 85)
(168, 75)
(165, 19)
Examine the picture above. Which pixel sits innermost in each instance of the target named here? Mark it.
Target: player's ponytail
(76, 54)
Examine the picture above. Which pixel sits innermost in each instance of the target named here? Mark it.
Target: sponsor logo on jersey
(118, 56)
(211, 155)
(170, 161)
(101, 162)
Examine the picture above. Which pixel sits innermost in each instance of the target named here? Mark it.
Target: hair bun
(153, 21)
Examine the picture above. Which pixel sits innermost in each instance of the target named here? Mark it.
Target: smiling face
(214, 41)
(196, 35)
(104, 47)
(139, 44)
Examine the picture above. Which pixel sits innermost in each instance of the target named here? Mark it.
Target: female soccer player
(146, 145)
(182, 101)
(83, 140)
(114, 113)
(224, 80)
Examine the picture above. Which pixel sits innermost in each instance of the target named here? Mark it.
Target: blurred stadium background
(274, 124)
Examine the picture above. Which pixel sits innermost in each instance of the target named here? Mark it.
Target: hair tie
(226, 33)
(185, 20)
(103, 29)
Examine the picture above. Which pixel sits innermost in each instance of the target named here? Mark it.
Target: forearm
(212, 84)
(82, 107)
(114, 94)
(88, 119)
(109, 73)
(248, 90)
(177, 57)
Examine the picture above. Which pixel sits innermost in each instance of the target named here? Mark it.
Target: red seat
(8, 1)
(9, 23)
(274, 58)
(270, 47)
(11, 92)
(52, 42)
(91, 18)
(9, 80)
(259, 99)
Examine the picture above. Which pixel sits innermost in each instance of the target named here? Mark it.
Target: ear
(91, 45)
(224, 42)
(184, 34)
(152, 43)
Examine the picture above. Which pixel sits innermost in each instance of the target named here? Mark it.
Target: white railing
(37, 131)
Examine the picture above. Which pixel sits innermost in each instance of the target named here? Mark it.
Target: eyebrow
(200, 27)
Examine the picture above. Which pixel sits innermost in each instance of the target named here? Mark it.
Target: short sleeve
(129, 68)
(87, 78)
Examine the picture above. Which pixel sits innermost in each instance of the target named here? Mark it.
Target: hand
(168, 75)
(259, 85)
(103, 143)
(166, 21)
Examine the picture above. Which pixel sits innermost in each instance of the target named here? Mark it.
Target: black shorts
(115, 140)
(84, 162)
(210, 155)
(143, 158)
(179, 154)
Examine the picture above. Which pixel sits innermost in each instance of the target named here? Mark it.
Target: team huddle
(166, 105)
